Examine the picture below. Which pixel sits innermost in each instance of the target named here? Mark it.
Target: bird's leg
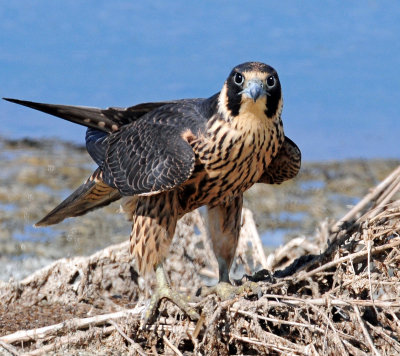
(154, 221)
(164, 290)
(224, 224)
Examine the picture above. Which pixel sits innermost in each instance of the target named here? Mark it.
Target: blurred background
(339, 67)
(338, 63)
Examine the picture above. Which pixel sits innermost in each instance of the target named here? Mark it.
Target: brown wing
(284, 166)
(91, 195)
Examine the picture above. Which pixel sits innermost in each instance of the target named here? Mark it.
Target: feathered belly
(227, 169)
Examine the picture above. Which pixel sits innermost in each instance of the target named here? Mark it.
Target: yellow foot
(227, 291)
(163, 290)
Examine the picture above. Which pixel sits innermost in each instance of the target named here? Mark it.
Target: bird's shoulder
(152, 153)
(182, 114)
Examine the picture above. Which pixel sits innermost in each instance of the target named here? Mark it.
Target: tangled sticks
(344, 300)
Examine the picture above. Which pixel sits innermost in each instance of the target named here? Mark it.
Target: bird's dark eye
(238, 79)
(271, 81)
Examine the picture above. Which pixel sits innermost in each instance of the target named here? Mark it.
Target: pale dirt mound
(335, 294)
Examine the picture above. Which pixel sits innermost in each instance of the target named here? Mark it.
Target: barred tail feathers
(91, 195)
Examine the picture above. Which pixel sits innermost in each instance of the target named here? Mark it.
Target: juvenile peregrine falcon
(168, 158)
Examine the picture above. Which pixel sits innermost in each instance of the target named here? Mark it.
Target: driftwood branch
(77, 323)
(374, 194)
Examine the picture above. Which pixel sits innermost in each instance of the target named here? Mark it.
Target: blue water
(339, 63)
(274, 238)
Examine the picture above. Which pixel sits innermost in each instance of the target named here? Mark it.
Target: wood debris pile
(337, 293)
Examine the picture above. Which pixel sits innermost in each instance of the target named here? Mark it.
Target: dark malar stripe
(273, 101)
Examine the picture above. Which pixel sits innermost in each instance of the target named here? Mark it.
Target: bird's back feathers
(141, 149)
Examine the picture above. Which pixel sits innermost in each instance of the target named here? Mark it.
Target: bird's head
(251, 86)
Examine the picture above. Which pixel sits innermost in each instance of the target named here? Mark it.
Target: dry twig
(314, 311)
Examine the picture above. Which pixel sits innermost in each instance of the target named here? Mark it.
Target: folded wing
(284, 166)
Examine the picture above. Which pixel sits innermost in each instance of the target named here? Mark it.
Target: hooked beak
(254, 89)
